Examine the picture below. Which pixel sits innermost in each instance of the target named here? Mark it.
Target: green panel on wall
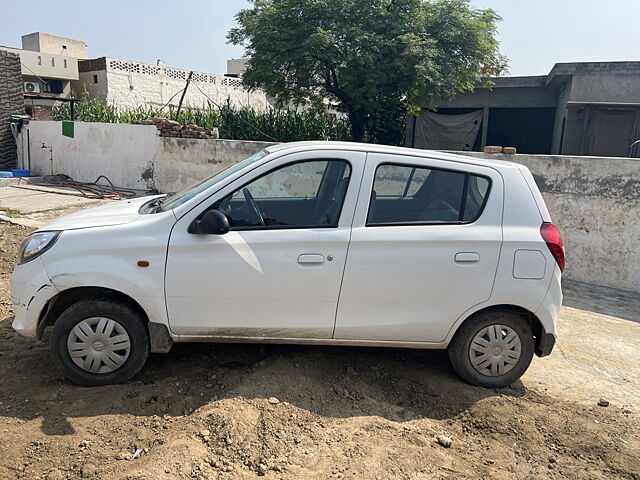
(67, 128)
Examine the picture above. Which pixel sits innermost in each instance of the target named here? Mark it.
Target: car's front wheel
(100, 342)
(492, 349)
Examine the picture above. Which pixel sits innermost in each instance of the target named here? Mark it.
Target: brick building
(48, 64)
(11, 103)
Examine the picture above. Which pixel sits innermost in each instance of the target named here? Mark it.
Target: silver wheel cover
(495, 350)
(98, 345)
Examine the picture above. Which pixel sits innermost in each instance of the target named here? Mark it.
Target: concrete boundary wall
(596, 204)
(131, 156)
(594, 201)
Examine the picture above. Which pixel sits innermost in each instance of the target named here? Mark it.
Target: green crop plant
(282, 125)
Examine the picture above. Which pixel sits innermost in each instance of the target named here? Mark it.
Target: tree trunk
(357, 122)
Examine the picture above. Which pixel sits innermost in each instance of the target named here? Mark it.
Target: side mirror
(214, 222)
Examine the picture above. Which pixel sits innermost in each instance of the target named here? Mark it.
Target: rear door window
(408, 194)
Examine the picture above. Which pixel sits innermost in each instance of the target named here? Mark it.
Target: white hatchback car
(317, 243)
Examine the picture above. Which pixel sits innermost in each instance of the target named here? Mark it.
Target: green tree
(376, 59)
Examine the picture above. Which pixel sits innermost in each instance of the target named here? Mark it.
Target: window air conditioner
(32, 87)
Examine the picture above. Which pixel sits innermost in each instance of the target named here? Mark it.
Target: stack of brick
(171, 128)
(40, 112)
(11, 103)
(497, 149)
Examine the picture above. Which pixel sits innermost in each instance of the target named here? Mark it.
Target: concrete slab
(45, 184)
(603, 300)
(36, 205)
(26, 200)
(7, 181)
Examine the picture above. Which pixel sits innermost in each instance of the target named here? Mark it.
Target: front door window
(298, 195)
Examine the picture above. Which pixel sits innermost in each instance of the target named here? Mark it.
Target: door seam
(346, 257)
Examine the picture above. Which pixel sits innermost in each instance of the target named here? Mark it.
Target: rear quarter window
(408, 194)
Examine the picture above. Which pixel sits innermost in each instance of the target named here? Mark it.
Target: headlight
(35, 245)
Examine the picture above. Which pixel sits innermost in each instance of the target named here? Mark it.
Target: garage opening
(530, 130)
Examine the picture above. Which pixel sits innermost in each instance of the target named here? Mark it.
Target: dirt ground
(290, 412)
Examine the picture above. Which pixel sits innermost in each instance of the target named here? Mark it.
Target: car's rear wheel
(492, 349)
(100, 342)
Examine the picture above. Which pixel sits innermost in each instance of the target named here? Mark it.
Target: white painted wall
(128, 85)
(47, 43)
(237, 66)
(131, 156)
(46, 65)
(87, 85)
(594, 201)
(116, 150)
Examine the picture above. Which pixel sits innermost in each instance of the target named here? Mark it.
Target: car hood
(113, 213)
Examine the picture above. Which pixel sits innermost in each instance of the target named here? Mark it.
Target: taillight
(553, 239)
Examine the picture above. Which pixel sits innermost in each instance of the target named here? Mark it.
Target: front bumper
(31, 289)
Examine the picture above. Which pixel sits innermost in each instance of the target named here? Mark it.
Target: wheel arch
(536, 324)
(58, 303)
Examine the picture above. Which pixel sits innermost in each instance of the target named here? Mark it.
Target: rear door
(424, 248)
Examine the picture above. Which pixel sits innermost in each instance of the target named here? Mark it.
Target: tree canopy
(375, 59)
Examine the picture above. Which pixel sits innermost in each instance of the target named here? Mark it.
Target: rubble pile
(171, 128)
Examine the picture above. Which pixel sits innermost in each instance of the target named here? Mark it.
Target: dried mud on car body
(245, 411)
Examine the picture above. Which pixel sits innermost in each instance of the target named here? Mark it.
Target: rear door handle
(467, 257)
(310, 258)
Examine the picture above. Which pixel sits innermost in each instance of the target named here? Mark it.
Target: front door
(424, 248)
(277, 273)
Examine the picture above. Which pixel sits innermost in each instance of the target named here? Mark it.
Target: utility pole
(183, 94)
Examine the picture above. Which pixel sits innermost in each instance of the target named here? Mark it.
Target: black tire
(127, 317)
(459, 348)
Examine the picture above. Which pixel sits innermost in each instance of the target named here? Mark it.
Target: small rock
(88, 470)
(603, 402)
(205, 433)
(444, 441)
(552, 460)
(123, 456)
(273, 400)
(262, 470)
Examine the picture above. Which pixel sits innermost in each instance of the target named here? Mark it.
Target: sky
(191, 34)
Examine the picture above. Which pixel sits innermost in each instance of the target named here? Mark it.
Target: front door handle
(310, 258)
(467, 257)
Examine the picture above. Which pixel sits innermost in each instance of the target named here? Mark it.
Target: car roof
(388, 149)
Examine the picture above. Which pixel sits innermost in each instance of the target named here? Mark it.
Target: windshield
(174, 200)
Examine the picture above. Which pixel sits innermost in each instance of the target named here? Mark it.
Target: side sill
(311, 341)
